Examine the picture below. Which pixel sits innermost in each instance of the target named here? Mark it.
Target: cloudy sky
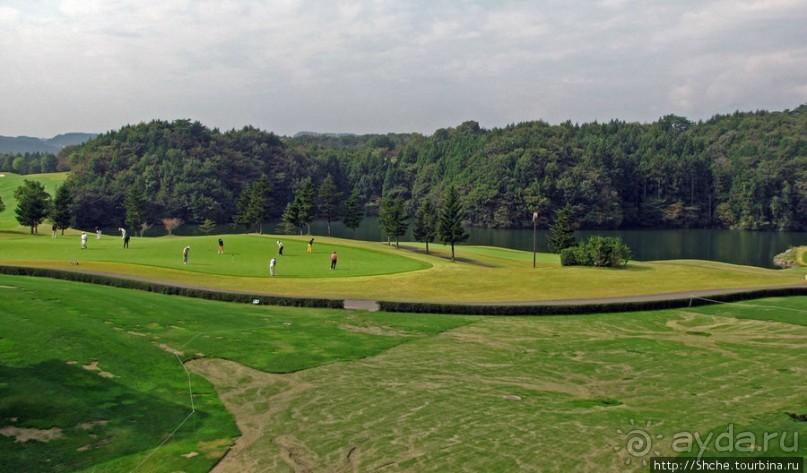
(392, 66)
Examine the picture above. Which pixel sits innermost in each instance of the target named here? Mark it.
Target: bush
(597, 251)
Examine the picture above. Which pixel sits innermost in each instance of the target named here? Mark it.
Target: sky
(392, 66)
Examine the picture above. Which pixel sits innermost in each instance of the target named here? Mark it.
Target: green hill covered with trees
(743, 170)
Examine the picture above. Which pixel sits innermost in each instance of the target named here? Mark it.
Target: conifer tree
(425, 223)
(450, 227)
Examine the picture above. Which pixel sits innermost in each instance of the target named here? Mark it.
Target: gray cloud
(285, 66)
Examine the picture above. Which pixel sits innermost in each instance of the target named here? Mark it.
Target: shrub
(597, 251)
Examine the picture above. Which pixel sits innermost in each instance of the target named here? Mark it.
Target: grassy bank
(98, 369)
(101, 366)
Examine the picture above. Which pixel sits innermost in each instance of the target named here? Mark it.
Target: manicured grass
(376, 271)
(9, 183)
(245, 255)
(103, 365)
(367, 270)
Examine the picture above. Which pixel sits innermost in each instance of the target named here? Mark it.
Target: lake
(730, 246)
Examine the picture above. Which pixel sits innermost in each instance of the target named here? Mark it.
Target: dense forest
(746, 170)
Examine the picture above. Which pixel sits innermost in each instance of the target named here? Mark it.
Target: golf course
(109, 379)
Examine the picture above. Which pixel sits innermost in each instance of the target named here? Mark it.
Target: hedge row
(592, 308)
(159, 288)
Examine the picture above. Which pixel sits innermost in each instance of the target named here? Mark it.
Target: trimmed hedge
(588, 308)
(142, 285)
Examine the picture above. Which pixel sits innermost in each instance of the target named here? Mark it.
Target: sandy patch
(170, 350)
(23, 435)
(94, 367)
(191, 454)
(381, 331)
(90, 425)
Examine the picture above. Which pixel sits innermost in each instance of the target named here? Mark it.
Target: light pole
(534, 226)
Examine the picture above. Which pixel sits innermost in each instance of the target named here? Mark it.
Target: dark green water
(747, 248)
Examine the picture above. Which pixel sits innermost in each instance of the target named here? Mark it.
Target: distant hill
(28, 144)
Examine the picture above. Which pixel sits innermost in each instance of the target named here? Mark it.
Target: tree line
(31, 163)
(746, 170)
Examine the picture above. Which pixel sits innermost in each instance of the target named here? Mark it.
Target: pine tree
(291, 217)
(425, 223)
(354, 210)
(329, 201)
(393, 219)
(207, 226)
(561, 233)
(450, 227)
(136, 206)
(60, 214)
(304, 198)
(254, 205)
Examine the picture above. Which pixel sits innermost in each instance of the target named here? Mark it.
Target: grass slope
(370, 391)
(103, 365)
(535, 394)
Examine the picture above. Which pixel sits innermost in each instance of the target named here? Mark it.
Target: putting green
(244, 256)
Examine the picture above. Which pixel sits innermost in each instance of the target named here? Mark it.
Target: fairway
(365, 270)
(9, 182)
(363, 392)
(376, 271)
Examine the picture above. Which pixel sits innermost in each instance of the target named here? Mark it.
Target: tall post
(534, 226)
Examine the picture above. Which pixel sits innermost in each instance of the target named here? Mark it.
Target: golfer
(221, 246)
(185, 252)
(272, 264)
(310, 249)
(280, 248)
(333, 260)
(83, 240)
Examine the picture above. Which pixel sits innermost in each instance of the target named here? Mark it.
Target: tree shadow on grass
(100, 419)
(446, 256)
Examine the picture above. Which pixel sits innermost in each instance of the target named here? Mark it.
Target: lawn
(371, 270)
(102, 367)
(335, 390)
(246, 256)
(9, 183)
(366, 270)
